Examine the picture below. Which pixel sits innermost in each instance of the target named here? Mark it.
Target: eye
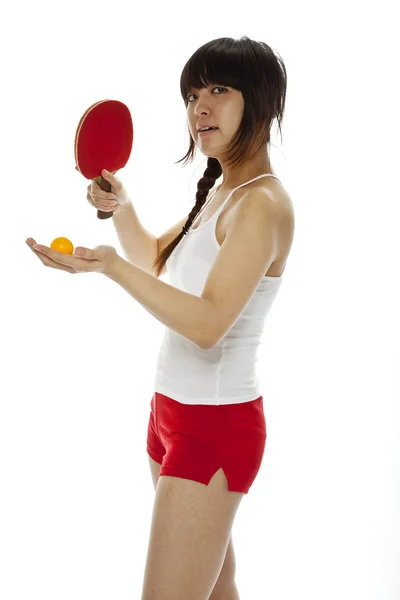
(215, 88)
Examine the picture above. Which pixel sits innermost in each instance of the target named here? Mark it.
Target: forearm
(190, 316)
(138, 244)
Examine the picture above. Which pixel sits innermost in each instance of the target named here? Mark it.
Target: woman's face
(218, 106)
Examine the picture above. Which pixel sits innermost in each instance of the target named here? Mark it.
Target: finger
(48, 262)
(54, 255)
(105, 198)
(97, 193)
(75, 262)
(103, 204)
(85, 253)
(96, 190)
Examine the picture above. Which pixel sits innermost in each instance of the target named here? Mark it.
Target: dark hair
(259, 73)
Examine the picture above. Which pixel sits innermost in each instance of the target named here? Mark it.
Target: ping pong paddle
(103, 140)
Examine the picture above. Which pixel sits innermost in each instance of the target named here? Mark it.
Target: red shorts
(194, 441)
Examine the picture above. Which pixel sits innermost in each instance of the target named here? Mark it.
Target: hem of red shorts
(200, 478)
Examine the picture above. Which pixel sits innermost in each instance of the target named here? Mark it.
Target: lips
(198, 127)
(207, 132)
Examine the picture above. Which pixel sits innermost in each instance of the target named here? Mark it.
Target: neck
(232, 179)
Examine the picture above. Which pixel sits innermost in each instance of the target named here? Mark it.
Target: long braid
(205, 183)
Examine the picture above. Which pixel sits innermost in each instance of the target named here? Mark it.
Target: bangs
(213, 64)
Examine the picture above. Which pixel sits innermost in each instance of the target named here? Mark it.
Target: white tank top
(225, 373)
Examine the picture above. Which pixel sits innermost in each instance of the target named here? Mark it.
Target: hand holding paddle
(103, 140)
(113, 201)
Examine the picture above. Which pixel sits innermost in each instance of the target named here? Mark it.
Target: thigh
(226, 576)
(190, 533)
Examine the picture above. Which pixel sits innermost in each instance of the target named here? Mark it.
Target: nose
(201, 107)
(198, 112)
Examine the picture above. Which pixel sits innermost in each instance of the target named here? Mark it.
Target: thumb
(106, 174)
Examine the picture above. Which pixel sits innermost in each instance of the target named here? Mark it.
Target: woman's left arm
(189, 315)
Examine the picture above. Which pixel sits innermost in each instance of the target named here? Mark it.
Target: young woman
(207, 430)
(207, 422)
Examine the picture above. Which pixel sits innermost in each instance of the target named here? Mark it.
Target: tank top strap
(254, 179)
(217, 213)
(236, 188)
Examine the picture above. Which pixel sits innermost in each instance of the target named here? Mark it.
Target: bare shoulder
(277, 199)
(279, 203)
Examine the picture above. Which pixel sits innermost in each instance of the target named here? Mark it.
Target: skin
(99, 260)
(222, 107)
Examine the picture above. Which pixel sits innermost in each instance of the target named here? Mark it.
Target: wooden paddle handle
(106, 187)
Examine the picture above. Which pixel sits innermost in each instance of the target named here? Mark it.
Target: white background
(78, 353)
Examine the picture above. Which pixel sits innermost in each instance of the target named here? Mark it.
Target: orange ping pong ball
(62, 244)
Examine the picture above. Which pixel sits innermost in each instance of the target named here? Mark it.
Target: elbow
(209, 341)
(204, 342)
(205, 345)
(208, 337)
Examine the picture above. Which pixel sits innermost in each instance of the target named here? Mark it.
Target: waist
(224, 374)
